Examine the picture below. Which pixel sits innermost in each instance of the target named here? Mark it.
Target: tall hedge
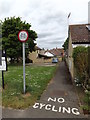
(80, 55)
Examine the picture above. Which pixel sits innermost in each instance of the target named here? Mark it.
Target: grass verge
(37, 79)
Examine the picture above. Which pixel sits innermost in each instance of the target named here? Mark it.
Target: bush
(86, 100)
(80, 55)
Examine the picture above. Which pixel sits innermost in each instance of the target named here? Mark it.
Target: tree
(10, 29)
(65, 45)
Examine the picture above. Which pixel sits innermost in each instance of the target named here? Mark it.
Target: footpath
(59, 100)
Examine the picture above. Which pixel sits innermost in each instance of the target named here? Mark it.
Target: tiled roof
(57, 51)
(80, 33)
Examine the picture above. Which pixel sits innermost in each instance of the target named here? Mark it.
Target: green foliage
(86, 107)
(65, 45)
(86, 100)
(80, 55)
(10, 29)
(78, 50)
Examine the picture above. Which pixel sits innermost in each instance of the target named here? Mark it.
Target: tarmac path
(59, 100)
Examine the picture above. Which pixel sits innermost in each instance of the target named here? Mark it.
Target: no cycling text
(60, 109)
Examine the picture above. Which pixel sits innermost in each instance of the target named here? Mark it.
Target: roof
(48, 54)
(56, 51)
(80, 33)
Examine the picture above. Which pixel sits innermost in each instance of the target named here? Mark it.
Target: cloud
(52, 16)
(44, 35)
(55, 41)
(47, 17)
(5, 7)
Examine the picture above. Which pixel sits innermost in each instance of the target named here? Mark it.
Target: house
(58, 52)
(42, 56)
(48, 54)
(34, 56)
(79, 35)
(51, 54)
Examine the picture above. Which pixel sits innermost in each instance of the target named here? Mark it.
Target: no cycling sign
(23, 37)
(57, 109)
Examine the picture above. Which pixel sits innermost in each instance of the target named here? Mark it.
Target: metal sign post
(23, 37)
(24, 68)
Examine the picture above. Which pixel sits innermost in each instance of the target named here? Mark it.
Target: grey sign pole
(24, 89)
(23, 37)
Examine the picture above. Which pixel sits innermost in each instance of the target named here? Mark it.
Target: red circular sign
(23, 36)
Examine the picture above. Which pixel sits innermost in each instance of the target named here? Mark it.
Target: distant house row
(43, 56)
(79, 35)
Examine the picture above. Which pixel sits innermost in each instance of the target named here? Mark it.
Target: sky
(49, 18)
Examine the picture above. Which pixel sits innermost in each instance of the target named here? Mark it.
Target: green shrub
(80, 56)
